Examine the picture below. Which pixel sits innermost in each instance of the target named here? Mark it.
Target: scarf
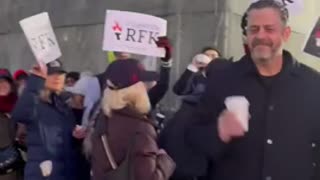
(7, 103)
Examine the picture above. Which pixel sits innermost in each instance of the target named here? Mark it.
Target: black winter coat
(284, 130)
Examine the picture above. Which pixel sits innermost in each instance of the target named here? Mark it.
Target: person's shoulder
(135, 127)
(307, 71)
(224, 69)
(309, 76)
(218, 65)
(135, 123)
(146, 127)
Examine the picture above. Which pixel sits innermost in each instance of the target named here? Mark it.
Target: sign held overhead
(41, 38)
(133, 33)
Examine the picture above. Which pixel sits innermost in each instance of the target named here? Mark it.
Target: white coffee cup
(46, 168)
(239, 105)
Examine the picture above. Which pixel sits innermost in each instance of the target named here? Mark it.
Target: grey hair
(276, 5)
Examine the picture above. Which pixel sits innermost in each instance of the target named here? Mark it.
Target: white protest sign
(295, 7)
(41, 38)
(133, 33)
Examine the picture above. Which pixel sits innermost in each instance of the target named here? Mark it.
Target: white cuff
(166, 64)
(193, 68)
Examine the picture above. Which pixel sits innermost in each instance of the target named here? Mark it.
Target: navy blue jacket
(49, 129)
(190, 85)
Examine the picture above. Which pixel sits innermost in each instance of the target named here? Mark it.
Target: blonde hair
(135, 96)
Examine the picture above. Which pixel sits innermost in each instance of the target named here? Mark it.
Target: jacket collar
(56, 99)
(290, 65)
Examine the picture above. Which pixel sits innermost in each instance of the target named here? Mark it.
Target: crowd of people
(60, 125)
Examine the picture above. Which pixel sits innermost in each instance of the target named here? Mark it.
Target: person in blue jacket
(50, 125)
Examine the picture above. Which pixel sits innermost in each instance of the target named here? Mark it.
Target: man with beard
(283, 139)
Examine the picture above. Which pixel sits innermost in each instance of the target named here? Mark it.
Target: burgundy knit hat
(20, 74)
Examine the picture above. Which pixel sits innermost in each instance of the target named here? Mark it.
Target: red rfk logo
(134, 35)
(117, 27)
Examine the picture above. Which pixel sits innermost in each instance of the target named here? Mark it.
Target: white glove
(46, 168)
(79, 128)
(199, 61)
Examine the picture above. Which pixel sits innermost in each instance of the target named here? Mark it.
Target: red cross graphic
(117, 27)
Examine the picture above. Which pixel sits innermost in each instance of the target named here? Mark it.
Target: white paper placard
(41, 38)
(133, 33)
